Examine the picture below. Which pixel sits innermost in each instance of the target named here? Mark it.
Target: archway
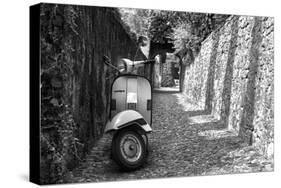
(166, 72)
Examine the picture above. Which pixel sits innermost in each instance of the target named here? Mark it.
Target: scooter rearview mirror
(125, 65)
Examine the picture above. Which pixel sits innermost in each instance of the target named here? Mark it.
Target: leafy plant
(59, 142)
(186, 30)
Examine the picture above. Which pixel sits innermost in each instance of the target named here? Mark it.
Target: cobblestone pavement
(176, 149)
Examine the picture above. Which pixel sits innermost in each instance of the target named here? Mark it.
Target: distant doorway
(167, 73)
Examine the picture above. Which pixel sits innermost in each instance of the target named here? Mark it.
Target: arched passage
(166, 71)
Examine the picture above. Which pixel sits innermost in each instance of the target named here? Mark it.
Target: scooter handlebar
(126, 65)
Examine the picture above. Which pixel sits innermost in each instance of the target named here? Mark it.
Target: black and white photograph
(133, 93)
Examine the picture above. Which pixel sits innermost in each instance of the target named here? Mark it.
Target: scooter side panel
(144, 94)
(119, 94)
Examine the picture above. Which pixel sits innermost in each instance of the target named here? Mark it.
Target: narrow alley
(175, 149)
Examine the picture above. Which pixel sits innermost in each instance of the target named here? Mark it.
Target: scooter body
(131, 101)
(130, 119)
(125, 119)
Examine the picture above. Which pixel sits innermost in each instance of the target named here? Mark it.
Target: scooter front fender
(127, 118)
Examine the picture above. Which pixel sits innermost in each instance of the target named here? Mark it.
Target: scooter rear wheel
(128, 149)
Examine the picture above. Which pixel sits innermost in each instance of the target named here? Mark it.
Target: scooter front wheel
(128, 149)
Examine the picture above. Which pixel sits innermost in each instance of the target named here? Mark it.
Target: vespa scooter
(130, 115)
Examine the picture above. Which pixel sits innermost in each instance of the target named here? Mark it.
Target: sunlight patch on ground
(186, 103)
(167, 89)
(216, 134)
(202, 119)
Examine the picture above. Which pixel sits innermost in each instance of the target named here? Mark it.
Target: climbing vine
(59, 142)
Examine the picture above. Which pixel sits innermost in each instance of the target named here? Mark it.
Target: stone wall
(167, 79)
(105, 36)
(240, 66)
(75, 81)
(196, 75)
(220, 68)
(264, 102)
(232, 78)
